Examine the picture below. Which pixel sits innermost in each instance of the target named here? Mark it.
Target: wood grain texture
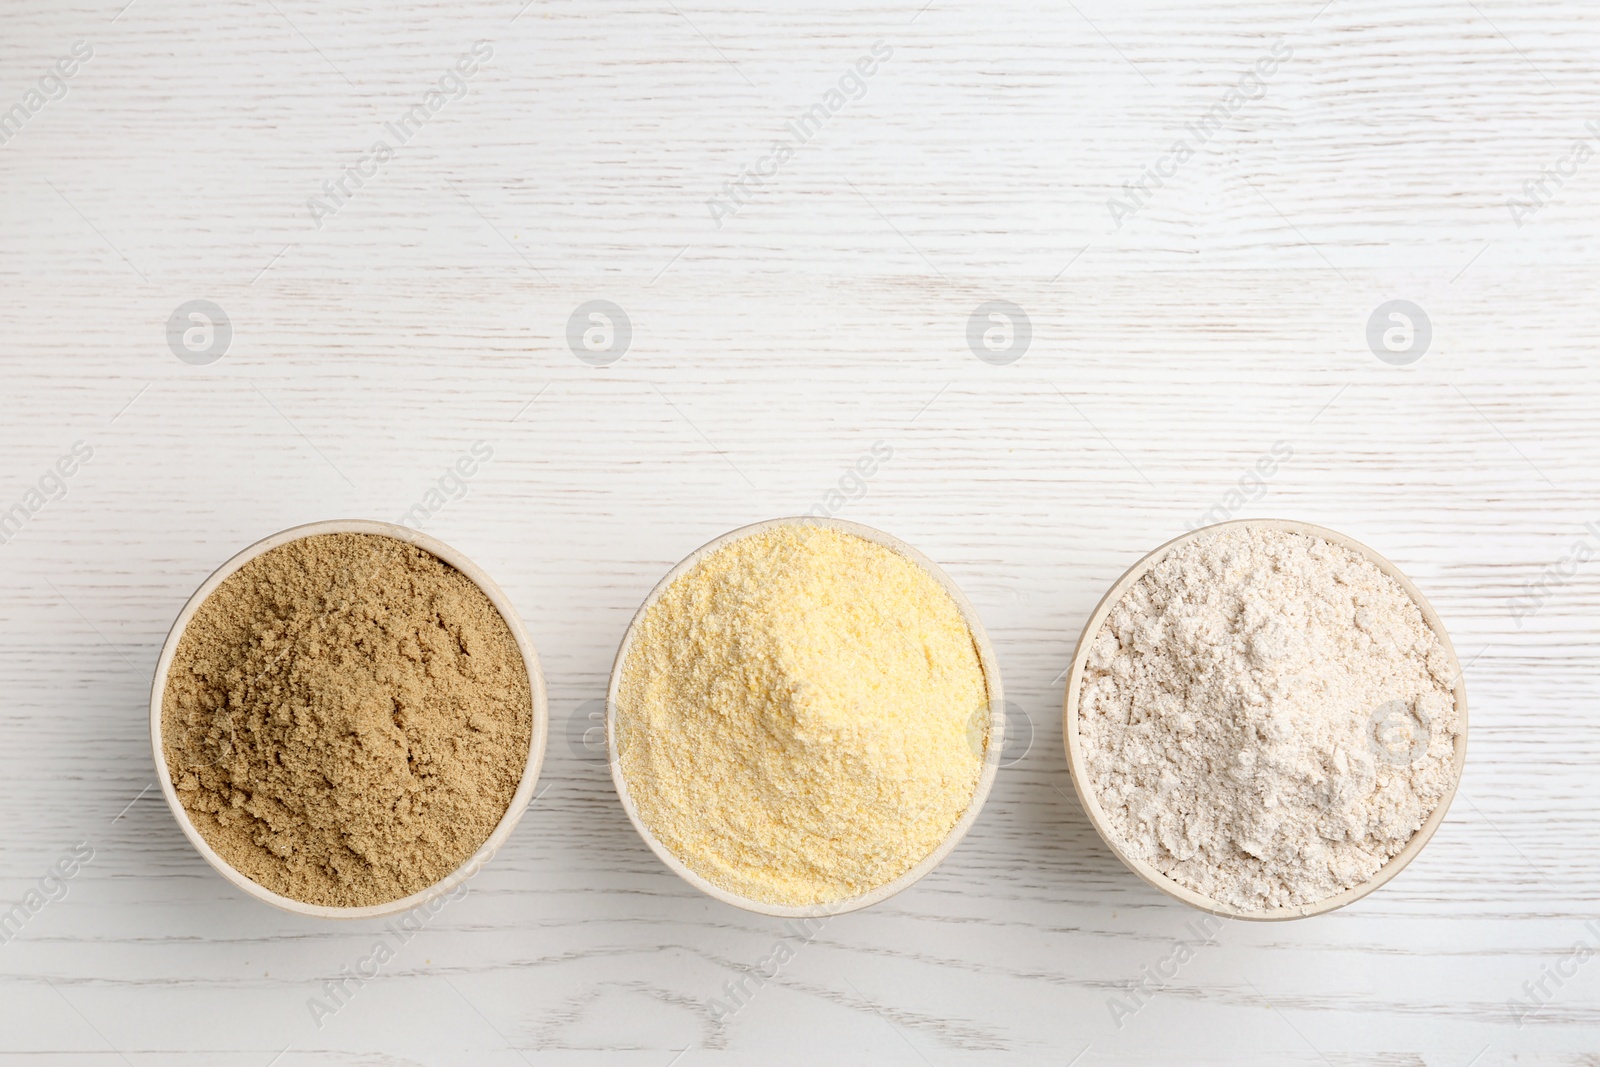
(768, 353)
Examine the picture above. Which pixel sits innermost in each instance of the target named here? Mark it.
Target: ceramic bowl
(992, 752)
(536, 739)
(1076, 761)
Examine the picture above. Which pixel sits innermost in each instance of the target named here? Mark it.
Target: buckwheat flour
(346, 719)
(1245, 718)
(795, 716)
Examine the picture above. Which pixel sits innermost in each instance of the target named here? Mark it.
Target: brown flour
(346, 719)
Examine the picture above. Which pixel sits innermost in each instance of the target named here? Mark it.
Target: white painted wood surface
(767, 355)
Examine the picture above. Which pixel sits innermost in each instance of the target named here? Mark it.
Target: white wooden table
(375, 338)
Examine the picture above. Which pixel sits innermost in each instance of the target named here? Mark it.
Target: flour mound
(1267, 718)
(795, 719)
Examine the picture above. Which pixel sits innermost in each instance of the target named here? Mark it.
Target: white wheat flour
(1267, 718)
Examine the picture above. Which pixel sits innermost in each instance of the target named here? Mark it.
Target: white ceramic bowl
(1091, 804)
(536, 739)
(996, 739)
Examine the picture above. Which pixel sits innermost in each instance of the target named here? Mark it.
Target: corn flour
(795, 717)
(1267, 718)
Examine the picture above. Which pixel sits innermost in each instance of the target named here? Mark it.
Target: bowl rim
(992, 755)
(1148, 873)
(536, 739)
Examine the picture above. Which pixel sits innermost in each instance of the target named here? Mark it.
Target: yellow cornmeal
(802, 716)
